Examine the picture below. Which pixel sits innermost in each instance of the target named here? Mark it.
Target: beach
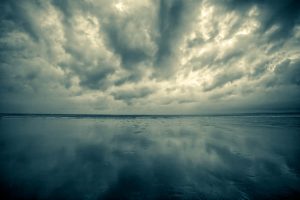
(150, 157)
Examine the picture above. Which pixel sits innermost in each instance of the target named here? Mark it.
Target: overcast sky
(149, 57)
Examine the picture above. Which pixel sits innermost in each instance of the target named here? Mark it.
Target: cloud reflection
(149, 158)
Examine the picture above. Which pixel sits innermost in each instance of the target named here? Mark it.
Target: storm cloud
(156, 56)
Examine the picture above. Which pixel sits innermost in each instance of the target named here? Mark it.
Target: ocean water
(149, 157)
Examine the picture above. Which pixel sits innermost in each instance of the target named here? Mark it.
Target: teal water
(149, 157)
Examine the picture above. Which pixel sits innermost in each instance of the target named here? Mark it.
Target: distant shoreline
(265, 114)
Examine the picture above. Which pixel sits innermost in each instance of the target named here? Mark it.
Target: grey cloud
(282, 13)
(288, 72)
(92, 69)
(285, 73)
(222, 95)
(97, 78)
(14, 15)
(206, 60)
(86, 49)
(229, 58)
(169, 20)
(259, 70)
(130, 53)
(125, 35)
(67, 7)
(133, 76)
(130, 94)
(224, 78)
(174, 19)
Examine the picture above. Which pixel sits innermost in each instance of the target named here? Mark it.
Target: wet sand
(212, 157)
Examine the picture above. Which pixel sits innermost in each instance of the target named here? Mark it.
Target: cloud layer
(164, 57)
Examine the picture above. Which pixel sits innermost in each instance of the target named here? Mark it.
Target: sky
(149, 56)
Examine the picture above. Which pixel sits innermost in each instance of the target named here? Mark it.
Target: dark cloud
(16, 17)
(86, 50)
(96, 78)
(259, 70)
(170, 16)
(173, 21)
(66, 7)
(282, 13)
(224, 78)
(128, 95)
(130, 53)
(288, 72)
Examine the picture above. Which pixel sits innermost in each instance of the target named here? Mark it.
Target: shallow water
(213, 157)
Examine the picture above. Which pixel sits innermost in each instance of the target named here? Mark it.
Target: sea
(95, 157)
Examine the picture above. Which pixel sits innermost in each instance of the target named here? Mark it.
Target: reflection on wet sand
(150, 158)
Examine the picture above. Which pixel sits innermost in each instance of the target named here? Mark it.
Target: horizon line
(88, 115)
